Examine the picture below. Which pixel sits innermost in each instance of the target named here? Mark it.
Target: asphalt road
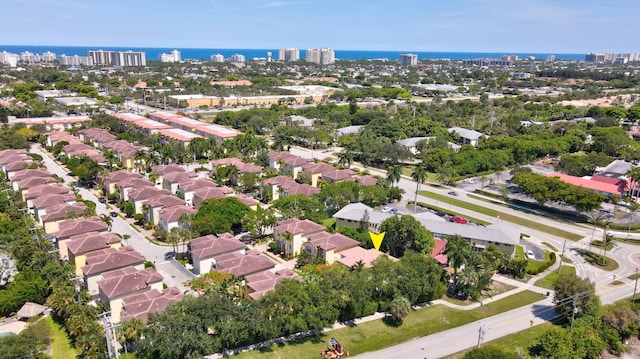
(454, 340)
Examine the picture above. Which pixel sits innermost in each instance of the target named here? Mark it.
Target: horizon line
(305, 48)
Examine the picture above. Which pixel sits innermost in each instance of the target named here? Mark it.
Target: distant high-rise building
(236, 58)
(9, 59)
(269, 56)
(101, 57)
(289, 54)
(324, 56)
(74, 60)
(117, 58)
(551, 58)
(408, 59)
(217, 58)
(512, 58)
(131, 58)
(173, 56)
(48, 56)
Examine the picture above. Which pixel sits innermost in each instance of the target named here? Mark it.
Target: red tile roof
(61, 210)
(262, 282)
(152, 301)
(243, 264)
(352, 256)
(598, 186)
(110, 259)
(298, 226)
(211, 246)
(127, 280)
(91, 242)
(172, 214)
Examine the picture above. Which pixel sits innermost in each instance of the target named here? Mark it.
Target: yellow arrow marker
(376, 239)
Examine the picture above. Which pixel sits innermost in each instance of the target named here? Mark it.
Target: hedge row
(545, 266)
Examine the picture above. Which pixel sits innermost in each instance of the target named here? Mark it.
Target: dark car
(113, 214)
(102, 200)
(453, 193)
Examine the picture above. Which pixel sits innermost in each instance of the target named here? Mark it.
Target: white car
(530, 254)
(386, 210)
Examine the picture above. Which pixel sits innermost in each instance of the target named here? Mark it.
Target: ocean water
(153, 53)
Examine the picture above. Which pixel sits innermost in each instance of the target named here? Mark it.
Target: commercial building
(408, 59)
(237, 58)
(75, 60)
(289, 54)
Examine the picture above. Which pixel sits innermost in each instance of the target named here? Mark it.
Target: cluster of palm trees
(472, 271)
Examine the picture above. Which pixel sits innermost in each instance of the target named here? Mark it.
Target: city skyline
(570, 26)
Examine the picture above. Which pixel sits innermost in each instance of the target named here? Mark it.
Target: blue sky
(560, 26)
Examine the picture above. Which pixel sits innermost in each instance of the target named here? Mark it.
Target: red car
(457, 219)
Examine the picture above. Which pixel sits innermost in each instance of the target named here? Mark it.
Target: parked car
(453, 193)
(393, 211)
(529, 254)
(457, 219)
(113, 214)
(102, 200)
(386, 210)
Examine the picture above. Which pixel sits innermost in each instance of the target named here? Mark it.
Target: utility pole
(635, 288)
(109, 334)
(574, 310)
(481, 332)
(562, 255)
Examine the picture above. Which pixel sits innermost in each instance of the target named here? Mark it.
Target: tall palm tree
(634, 178)
(458, 252)
(394, 173)
(174, 237)
(633, 208)
(344, 159)
(106, 219)
(110, 157)
(198, 147)
(419, 175)
(153, 177)
(140, 157)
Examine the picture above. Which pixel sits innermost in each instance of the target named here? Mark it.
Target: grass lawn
(516, 342)
(505, 216)
(551, 278)
(519, 252)
(329, 222)
(634, 276)
(532, 265)
(550, 246)
(496, 288)
(595, 259)
(60, 344)
(376, 335)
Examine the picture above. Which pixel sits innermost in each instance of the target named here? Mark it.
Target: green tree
(399, 308)
(220, 215)
(258, 221)
(405, 232)
(573, 291)
(490, 352)
(300, 206)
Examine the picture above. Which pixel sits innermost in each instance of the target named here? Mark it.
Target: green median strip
(376, 335)
(519, 342)
(550, 279)
(504, 216)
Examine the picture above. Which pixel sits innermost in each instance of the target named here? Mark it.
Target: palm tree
(419, 175)
(174, 237)
(633, 208)
(394, 174)
(344, 159)
(140, 157)
(198, 147)
(483, 179)
(458, 252)
(153, 177)
(634, 178)
(110, 157)
(399, 307)
(598, 219)
(232, 174)
(106, 219)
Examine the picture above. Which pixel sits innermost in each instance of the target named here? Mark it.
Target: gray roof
(303, 121)
(413, 141)
(618, 167)
(491, 233)
(349, 130)
(463, 132)
(355, 212)
(428, 216)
